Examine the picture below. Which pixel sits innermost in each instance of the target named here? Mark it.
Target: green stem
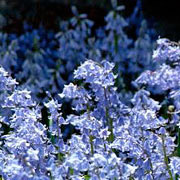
(51, 136)
(111, 136)
(109, 120)
(166, 158)
(131, 178)
(91, 143)
(116, 42)
(149, 158)
(90, 136)
(105, 149)
(178, 148)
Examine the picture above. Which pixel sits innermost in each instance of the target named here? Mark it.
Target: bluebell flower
(175, 165)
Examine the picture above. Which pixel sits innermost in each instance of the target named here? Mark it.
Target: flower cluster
(43, 60)
(25, 151)
(112, 140)
(164, 80)
(166, 76)
(116, 135)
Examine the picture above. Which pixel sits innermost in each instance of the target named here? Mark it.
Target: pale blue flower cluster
(166, 76)
(164, 81)
(43, 60)
(117, 135)
(113, 140)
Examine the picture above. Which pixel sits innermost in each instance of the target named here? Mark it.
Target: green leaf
(71, 171)
(87, 177)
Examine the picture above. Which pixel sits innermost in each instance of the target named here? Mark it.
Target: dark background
(163, 15)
